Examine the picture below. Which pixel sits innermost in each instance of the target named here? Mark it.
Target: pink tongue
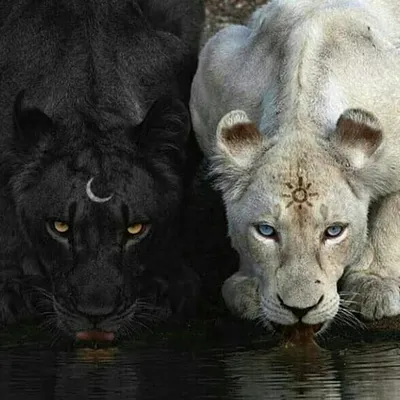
(97, 336)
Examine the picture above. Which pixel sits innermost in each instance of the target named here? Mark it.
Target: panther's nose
(299, 312)
(92, 311)
(97, 305)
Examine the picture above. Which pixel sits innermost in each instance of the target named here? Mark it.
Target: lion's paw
(374, 297)
(242, 296)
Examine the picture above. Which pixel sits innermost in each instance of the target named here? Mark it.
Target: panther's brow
(92, 196)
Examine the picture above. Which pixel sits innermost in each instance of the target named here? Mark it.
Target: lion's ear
(29, 124)
(238, 139)
(358, 135)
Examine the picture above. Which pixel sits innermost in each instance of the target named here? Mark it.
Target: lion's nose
(299, 312)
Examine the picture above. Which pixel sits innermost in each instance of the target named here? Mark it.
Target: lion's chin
(299, 334)
(95, 336)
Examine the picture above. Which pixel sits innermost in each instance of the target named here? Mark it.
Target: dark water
(361, 371)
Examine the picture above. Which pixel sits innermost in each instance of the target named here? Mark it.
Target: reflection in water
(363, 372)
(367, 371)
(144, 374)
(77, 379)
(375, 373)
(97, 355)
(278, 374)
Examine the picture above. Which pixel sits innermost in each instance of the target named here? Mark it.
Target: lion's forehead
(299, 191)
(307, 196)
(300, 184)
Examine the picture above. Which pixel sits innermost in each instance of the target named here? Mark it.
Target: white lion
(299, 113)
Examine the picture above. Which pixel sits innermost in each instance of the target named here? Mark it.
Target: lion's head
(297, 208)
(98, 202)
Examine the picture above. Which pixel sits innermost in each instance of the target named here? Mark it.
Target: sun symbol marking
(299, 194)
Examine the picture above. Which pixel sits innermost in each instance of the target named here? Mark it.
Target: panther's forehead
(92, 196)
(92, 188)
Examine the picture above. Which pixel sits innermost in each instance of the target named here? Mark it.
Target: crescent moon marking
(92, 196)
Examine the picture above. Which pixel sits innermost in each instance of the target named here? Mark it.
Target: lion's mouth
(299, 333)
(95, 336)
(298, 326)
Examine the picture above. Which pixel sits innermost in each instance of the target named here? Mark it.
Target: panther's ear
(29, 124)
(165, 130)
(358, 136)
(238, 140)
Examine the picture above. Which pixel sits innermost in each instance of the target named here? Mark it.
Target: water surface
(357, 371)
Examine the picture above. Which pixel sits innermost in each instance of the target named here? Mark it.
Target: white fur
(232, 118)
(293, 71)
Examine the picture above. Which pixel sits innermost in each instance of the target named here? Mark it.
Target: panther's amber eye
(61, 227)
(135, 229)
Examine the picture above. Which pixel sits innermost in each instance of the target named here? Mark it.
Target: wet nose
(300, 312)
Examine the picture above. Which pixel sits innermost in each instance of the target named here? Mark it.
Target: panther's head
(98, 202)
(297, 209)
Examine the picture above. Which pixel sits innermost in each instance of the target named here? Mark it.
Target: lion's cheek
(335, 259)
(262, 254)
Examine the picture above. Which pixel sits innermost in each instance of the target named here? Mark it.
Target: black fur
(95, 88)
(207, 246)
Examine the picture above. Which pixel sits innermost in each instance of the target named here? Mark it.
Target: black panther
(94, 157)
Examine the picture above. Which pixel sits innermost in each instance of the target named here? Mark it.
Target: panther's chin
(95, 336)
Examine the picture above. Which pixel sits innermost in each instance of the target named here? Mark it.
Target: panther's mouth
(95, 336)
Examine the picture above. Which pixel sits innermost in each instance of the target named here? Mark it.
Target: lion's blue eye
(334, 231)
(266, 230)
